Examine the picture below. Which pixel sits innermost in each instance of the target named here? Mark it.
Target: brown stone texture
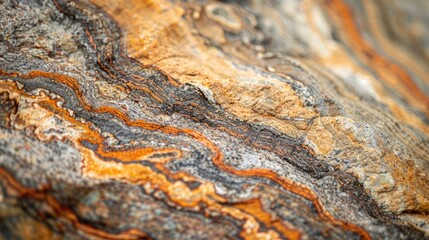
(195, 119)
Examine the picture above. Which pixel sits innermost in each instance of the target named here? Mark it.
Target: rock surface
(135, 119)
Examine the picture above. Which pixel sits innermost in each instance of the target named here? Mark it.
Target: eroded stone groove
(210, 120)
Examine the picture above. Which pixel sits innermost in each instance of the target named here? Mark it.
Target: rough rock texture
(252, 119)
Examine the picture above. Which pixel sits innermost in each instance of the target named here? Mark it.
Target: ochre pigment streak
(94, 137)
(18, 190)
(194, 120)
(216, 157)
(158, 92)
(343, 16)
(135, 173)
(254, 207)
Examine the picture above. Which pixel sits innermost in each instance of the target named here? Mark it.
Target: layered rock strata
(141, 119)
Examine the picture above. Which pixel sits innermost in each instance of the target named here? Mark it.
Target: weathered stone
(214, 119)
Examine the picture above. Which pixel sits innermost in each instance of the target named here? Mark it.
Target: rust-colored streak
(123, 155)
(17, 189)
(344, 17)
(185, 97)
(136, 173)
(216, 157)
(254, 207)
(90, 39)
(296, 188)
(146, 90)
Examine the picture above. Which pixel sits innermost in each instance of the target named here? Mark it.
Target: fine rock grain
(250, 119)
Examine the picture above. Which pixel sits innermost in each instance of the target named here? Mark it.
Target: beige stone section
(396, 185)
(159, 36)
